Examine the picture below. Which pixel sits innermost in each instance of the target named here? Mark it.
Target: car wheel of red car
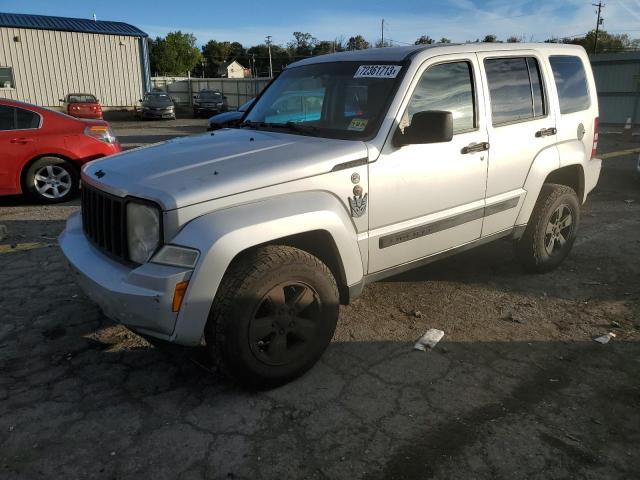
(51, 180)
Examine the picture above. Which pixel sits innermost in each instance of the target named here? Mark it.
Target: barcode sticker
(377, 71)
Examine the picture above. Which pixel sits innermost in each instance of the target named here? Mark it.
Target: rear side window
(448, 87)
(571, 83)
(516, 89)
(7, 117)
(26, 119)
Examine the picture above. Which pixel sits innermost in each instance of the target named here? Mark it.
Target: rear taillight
(101, 133)
(596, 134)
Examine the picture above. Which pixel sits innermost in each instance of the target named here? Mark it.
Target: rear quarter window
(571, 83)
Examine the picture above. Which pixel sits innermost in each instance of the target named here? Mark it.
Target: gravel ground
(516, 389)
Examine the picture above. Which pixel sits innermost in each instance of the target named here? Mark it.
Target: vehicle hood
(226, 117)
(188, 170)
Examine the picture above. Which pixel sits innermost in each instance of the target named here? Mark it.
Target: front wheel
(273, 316)
(51, 180)
(551, 230)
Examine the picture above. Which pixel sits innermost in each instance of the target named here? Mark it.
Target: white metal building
(44, 58)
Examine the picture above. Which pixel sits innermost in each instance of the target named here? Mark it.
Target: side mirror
(140, 100)
(224, 98)
(431, 126)
(195, 96)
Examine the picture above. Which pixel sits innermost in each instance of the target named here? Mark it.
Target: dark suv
(209, 102)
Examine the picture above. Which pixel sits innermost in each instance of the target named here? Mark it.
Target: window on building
(447, 87)
(6, 77)
(571, 83)
(515, 88)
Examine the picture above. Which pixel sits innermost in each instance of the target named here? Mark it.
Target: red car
(41, 151)
(82, 105)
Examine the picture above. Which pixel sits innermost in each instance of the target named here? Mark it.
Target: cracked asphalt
(516, 389)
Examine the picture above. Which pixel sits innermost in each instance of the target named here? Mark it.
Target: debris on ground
(513, 317)
(629, 201)
(603, 339)
(429, 340)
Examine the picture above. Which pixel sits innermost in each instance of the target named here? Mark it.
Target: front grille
(103, 221)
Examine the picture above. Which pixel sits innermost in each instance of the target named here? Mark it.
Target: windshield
(157, 97)
(336, 100)
(210, 95)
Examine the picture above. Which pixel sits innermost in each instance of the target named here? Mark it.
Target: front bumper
(140, 297)
(157, 113)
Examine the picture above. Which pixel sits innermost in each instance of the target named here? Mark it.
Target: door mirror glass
(431, 126)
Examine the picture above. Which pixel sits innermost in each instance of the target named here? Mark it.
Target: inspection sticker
(358, 124)
(377, 71)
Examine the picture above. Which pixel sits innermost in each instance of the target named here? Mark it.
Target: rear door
(18, 139)
(522, 123)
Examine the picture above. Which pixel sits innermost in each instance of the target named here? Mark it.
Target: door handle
(21, 140)
(475, 147)
(545, 132)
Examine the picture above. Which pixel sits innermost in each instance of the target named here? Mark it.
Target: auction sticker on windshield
(377, 71)
(358, 124)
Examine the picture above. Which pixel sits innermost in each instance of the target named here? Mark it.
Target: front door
(428, 198)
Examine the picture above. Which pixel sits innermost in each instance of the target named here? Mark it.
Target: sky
(249, 21)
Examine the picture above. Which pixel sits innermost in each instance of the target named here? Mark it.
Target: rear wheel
(51, 180)
(551, 230)
(273, 316)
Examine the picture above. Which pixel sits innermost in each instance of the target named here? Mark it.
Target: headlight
(143, 231)
(176, 256)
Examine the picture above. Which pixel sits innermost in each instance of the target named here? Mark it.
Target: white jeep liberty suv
(348, 168)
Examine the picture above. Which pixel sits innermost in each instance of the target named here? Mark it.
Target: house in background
(43, 58)
(233, 69)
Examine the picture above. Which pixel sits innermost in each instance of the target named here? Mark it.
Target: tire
(551, 230)
(256, 333)
(51, 180)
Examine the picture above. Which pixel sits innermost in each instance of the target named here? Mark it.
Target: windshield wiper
(296, 127)
(293, 126)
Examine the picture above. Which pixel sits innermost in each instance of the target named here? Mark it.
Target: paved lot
(517, 388)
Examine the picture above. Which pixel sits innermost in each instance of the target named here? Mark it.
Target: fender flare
(221, 235)
(545, 162)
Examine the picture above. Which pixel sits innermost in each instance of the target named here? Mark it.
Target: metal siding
(618, 83)
(48, 64)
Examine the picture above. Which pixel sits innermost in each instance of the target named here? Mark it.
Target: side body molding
(222, 234)
(545, 162)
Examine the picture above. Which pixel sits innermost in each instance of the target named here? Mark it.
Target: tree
(176, 54)
(444, 40)
(514, 39)
(216, 53)
(302, 44)
(424, 40)
(357, 43)
(260, 55)
(323, 47)
(383, 44)
(606, 42)
(490, 38)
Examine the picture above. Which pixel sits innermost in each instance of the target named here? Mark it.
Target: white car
(349, 168)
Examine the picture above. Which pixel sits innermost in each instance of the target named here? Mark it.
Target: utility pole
(600, 6)
(270, 63)
(382, 29)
